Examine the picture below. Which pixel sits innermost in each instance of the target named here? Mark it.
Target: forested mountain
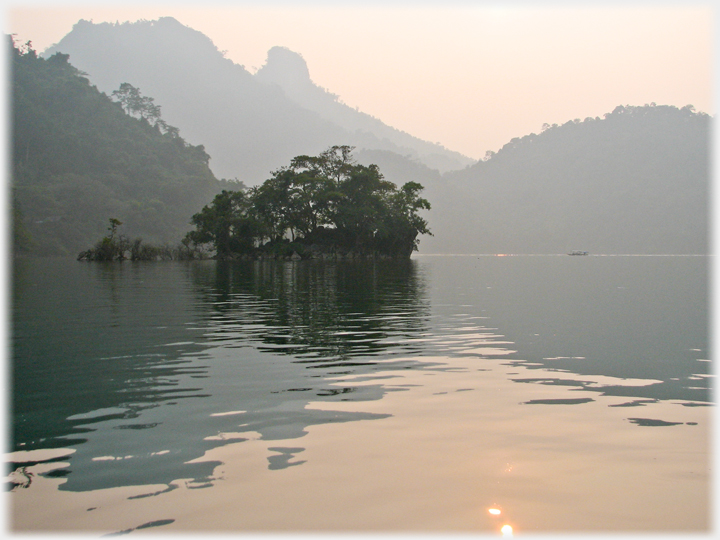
(248, 123)
(80, 159)
(635, 181)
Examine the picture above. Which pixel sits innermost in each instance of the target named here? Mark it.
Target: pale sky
(469, 75)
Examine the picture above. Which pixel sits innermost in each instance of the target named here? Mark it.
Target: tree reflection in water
(133, 364)
(321, 313)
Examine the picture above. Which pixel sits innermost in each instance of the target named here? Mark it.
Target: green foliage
(118, 247)
(79, 156)
(323, 204)
(226, 223)
(110, 248)
(114, 224)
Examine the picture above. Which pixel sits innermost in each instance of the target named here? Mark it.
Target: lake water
(562, 393)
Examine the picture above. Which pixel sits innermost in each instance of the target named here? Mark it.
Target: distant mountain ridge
(635, 181)
(288, 70)
(248, 123)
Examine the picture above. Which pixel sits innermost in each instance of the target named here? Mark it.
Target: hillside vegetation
(79, 158)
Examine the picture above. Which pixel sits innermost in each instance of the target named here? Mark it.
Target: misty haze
(240, 304)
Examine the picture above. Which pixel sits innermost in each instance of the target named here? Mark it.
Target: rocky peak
(284, 68)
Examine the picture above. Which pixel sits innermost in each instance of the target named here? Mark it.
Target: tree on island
(111, 247)
(226, 224)
(318, 206)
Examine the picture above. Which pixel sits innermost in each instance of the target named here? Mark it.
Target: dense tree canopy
(79, 156)
(318, 205)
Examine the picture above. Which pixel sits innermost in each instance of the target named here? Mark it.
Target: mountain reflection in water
(142, 368)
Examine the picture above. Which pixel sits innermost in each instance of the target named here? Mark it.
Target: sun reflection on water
(506, 529)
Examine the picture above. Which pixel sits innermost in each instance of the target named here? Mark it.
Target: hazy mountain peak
(285, 68)
(144, 41)
(289, 71)
(248, 123)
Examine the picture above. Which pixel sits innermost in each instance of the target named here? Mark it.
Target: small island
(318, 207)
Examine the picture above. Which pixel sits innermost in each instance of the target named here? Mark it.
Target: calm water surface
(136, 374)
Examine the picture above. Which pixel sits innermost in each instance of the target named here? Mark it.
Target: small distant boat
(578, 253)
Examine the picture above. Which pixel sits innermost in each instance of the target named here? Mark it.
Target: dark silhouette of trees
(111, 247)
(134, 103)
(226, 224)
(318, 205)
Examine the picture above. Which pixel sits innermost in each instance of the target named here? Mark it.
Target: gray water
(151, 361)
